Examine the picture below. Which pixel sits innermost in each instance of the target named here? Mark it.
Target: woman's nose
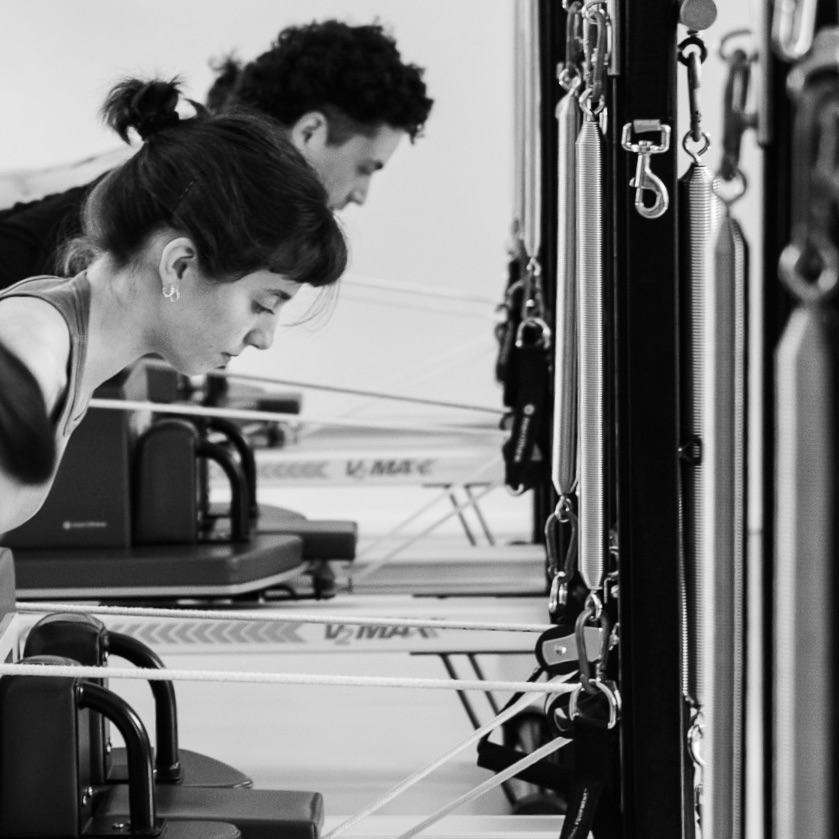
(260, 338)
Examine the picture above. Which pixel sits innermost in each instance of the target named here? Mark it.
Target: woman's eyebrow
(279, 294)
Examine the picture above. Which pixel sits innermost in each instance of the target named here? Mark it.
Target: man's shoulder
(43, 211)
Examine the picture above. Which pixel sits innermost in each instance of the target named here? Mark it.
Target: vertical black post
(646, 379)
(777, 165)
(551, 48)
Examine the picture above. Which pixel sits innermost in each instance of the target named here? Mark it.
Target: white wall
(437, 216)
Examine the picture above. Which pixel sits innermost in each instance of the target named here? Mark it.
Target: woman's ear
(176, 258)
(309, 133)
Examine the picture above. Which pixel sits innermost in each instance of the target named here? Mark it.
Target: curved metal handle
(140, 774)
(167, 761)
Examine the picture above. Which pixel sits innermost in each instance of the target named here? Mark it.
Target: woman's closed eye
(263, 310)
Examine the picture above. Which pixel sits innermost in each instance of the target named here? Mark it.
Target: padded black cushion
(144, 566)
(100, 826)
(258, 813)
(322, 538)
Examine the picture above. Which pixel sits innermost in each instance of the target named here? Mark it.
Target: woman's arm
(32, 379)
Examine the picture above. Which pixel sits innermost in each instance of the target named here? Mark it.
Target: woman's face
(213, 322)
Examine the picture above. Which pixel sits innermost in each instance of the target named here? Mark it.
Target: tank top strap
(71, 298)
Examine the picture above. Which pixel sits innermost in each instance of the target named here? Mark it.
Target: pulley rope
(286, 617)
(458, 508)
(420, 774)
(267, 416)
(393, 397)
(167, 674)
(534, 757)
(471, 478)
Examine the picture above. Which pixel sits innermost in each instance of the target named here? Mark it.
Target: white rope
(278, 416)
(420, 774)
(285, 617)
(167, 674)
(347, 391)
(549, 748)
(420, 371)
(456, 510)
(415, 288)
(435, 307)
(472, 477)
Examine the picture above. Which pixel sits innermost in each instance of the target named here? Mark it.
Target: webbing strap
(524, 465)
(595, 747)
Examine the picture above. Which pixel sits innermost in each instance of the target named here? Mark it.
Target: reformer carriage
(683, 472)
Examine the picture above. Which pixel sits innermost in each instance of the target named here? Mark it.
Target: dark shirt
(31, 234)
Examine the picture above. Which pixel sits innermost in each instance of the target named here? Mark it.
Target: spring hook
(793, 26)
(569, 72)
(736, 118)
(645, 180)
(593, 610)
(596, 50)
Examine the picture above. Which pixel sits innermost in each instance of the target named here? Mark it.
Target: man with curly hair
(342, 93)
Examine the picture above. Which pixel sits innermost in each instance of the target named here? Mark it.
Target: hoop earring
(172, 295)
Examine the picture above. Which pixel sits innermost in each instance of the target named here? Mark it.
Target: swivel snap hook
(645, 179)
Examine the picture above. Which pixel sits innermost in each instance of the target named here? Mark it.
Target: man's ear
(176, 258)
(309, 132)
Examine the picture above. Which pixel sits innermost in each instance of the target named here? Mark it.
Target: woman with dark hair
(341, 94)
(189, 250)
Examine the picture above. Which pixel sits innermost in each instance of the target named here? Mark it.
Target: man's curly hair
(354, 74)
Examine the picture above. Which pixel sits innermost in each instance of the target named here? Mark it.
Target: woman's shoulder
(37, 333)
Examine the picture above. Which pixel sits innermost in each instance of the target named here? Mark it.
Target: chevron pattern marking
(189, 633)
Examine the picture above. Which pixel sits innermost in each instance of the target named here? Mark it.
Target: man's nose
(359, 193)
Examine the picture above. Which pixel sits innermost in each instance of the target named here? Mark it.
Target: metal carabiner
(568, 71)
(608, 689)
(593, 609)
(793, 28)
(645, 180)
(595, 48)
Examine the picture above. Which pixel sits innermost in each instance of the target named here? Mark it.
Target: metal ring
(592, 112)
(730, 36)
(697, 153)
(693, 41)
(739, 179)
(824, 286)
(613, 696)
(564, 509)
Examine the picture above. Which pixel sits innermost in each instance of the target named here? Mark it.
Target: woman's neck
(118, 329)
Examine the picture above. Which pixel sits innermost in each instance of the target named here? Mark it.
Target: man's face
(346, 169)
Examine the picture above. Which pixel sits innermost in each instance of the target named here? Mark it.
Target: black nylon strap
(505, 365)
(594, 745)
(524, 466)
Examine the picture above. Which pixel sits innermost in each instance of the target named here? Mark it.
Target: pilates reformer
(714, 735)
(139, 806)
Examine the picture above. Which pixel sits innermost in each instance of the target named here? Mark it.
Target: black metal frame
(644, 276)
(647, 387)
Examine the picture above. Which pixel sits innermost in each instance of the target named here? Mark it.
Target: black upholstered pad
(204, 568)
(322, 538)
(258, 813)
(171, 829)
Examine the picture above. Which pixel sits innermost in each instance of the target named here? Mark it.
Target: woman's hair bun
(146, 106)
